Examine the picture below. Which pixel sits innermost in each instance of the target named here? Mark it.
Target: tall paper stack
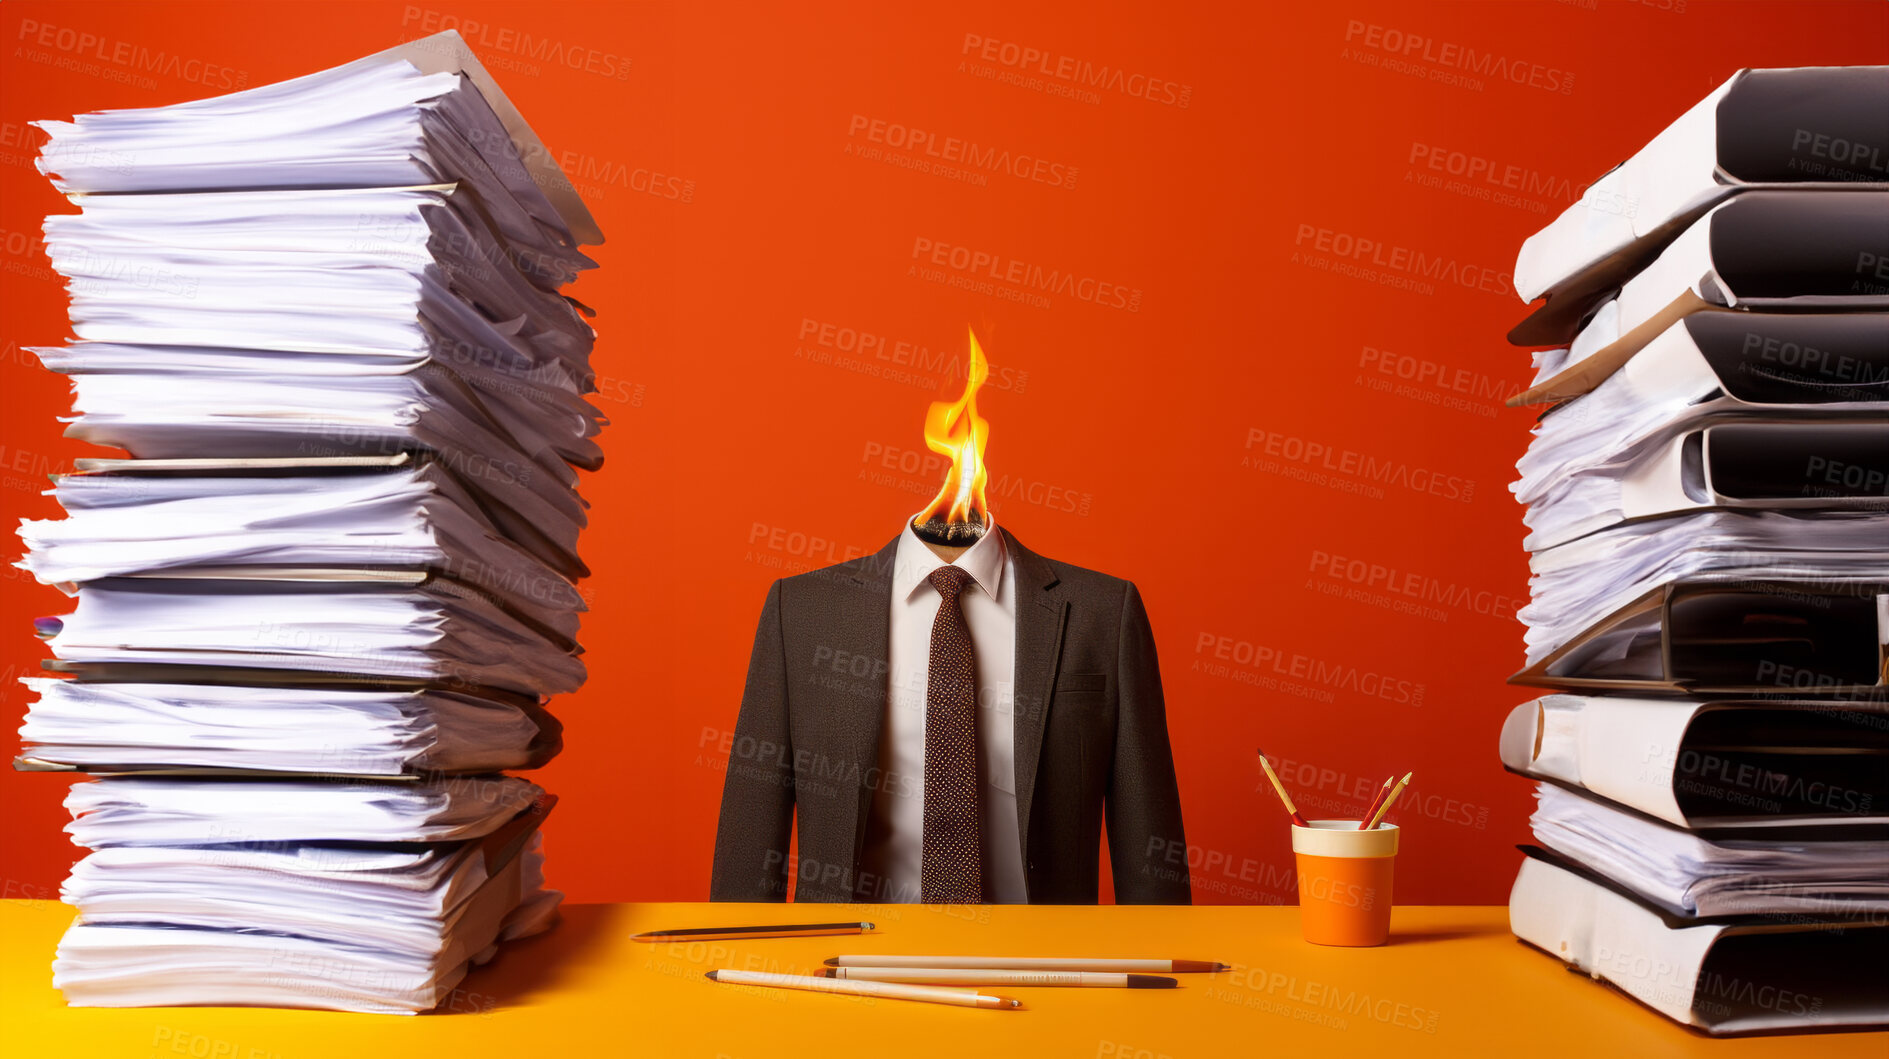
(321, 607)
(1708, 509)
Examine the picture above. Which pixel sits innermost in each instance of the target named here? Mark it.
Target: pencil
(1389, 800)
(764, 930)
(964, 998)
(1032, 963)
(995, 976)
(1281, 788)
(1376, 800)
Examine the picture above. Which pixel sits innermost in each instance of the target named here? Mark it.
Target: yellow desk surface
(1452, 982)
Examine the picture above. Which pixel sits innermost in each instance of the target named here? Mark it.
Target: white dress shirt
(895, 833)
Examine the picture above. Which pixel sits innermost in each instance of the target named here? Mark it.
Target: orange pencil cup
(1344, 881)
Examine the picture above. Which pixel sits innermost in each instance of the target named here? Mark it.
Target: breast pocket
(1081, 687)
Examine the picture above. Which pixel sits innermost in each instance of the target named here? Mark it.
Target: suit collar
(1033, 571)
(984, 561)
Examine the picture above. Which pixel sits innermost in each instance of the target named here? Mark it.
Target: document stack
(1707, 497)
(321, 606)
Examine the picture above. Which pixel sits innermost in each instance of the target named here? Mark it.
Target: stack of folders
(1707, 496)
(319, 610)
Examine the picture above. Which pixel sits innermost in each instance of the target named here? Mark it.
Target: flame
(954, 429)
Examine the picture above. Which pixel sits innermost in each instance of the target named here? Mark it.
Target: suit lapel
(860, 626)
(1041, 615)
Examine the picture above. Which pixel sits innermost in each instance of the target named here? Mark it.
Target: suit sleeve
(1144, 801)
(757, 802)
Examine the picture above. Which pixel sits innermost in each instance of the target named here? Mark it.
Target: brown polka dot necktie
(952, 871)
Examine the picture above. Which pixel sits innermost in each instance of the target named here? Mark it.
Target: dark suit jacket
(1091, 738)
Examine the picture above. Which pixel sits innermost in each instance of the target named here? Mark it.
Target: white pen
(1033, 963)
(992, 976)
(967, 998)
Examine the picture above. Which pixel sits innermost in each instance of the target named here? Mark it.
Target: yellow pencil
(1281, 788)
(1389, 800)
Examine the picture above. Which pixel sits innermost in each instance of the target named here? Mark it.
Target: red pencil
(1376, 801)
(1281, 788)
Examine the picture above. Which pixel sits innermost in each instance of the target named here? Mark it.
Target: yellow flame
(954, 429)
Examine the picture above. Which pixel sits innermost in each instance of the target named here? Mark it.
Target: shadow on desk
(535, 965)
(1429, 936)
(1442, 928)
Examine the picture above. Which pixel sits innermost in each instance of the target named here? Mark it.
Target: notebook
(1722, 766)
(1763, 251)
(1776, 636)
(1815, 126)
(1726, 978)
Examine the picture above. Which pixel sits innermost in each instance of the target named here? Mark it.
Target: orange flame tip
(954, 429)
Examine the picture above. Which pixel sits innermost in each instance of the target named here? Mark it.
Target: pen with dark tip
(762, 930)
(994, 976)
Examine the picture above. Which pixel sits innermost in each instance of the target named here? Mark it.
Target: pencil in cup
(931, 994)
(1383, 804)
(1284, 798)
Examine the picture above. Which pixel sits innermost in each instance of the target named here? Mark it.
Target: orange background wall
(1245, 200)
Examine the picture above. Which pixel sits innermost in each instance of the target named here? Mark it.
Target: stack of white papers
(1696, 877)
(301, 900)
(420, 517)
(379, 122)
(1709, 556)
(1576, 585)
(324, 601)
(435, 631)
(1623, 451)
(109, 726)
(141, 811)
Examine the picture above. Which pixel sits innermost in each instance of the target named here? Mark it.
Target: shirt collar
(984, 561)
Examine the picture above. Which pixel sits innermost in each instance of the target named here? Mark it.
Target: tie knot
(949, 581)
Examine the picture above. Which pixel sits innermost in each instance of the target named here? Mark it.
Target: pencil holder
(1344, 881)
